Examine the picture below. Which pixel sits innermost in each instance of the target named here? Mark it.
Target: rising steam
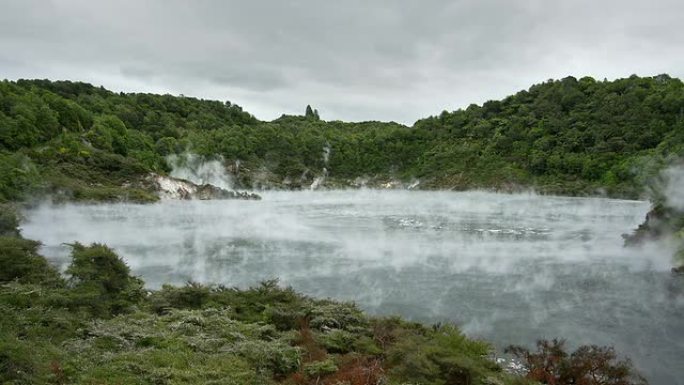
(509, 268)
(674, 187)
(200, 171)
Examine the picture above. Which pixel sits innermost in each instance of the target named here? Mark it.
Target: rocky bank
(175, 188)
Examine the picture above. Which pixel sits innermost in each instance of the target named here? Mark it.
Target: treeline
(97, 324)
(566, 136)
(612, 134)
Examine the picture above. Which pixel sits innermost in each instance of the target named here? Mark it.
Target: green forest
(76, 141)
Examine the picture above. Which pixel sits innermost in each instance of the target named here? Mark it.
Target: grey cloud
(354, 60)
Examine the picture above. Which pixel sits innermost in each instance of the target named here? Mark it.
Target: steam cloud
(674, 187)
(198, 170)
(509, 268)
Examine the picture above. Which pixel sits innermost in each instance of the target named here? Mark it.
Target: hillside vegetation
(570, 136)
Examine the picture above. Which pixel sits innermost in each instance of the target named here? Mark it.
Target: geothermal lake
(507, 268)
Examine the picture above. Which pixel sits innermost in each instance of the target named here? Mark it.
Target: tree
(309, 112)
(109, 133)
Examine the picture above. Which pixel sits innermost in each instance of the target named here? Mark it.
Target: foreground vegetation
(98, 325)
(571, 136)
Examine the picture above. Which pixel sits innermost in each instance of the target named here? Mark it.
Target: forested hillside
(570, 136)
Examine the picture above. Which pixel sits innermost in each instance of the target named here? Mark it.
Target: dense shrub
(442, 355)
(17, 364)
(102, 281)
(588, 365)
(191, 296)
(19, 260)
(18, 175)
(9, 221)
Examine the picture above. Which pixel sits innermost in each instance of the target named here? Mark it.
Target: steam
(673, 194)
(509, 268)
(326, 153)
(674, 187)
(320, 179)
(200, 171)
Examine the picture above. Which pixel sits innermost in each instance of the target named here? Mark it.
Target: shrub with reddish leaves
(588, 365)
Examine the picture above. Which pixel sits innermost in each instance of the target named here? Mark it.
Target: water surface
(508, 268)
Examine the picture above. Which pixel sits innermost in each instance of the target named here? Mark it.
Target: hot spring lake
(507, 268)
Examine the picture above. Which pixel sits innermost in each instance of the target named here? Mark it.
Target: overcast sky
(352, 60)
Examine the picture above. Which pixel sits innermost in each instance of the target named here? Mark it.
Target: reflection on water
(508, 268)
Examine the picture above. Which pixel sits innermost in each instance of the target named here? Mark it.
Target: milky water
(507, 268)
